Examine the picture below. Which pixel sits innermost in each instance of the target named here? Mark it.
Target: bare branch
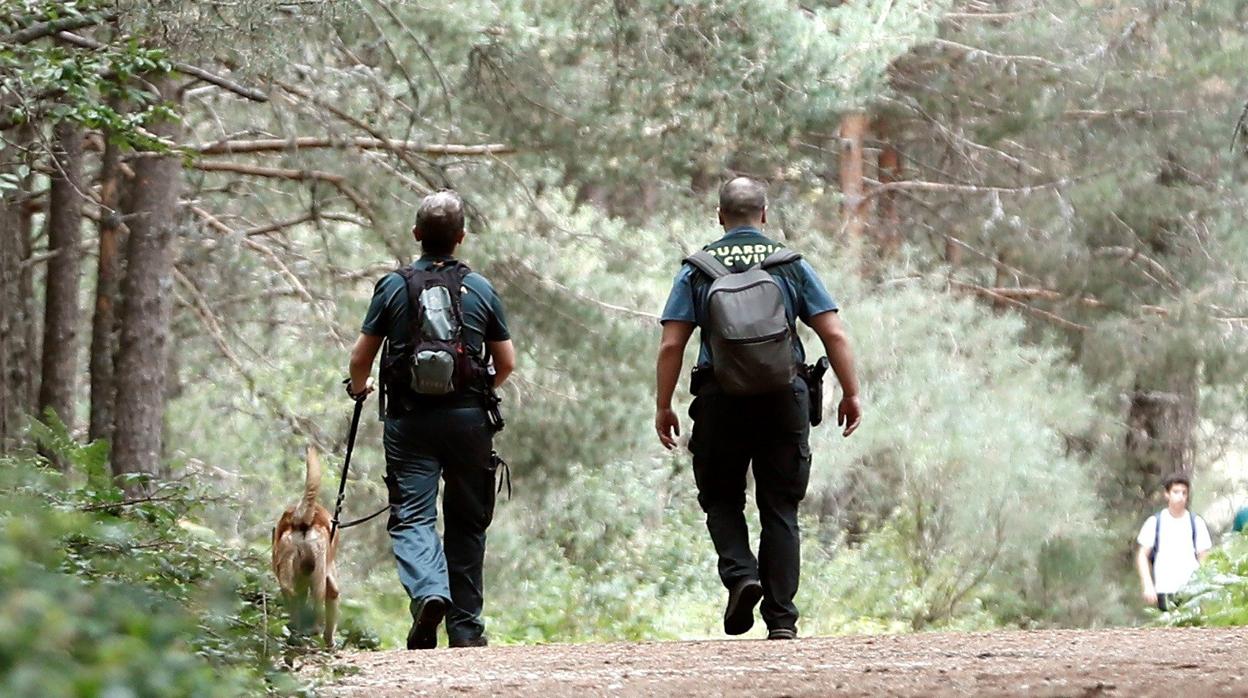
(199, 305)
(921, 185)
(1035, 60)
(52, 26)
(216, 224)
(184, 68)
(262, 145)
(338, 181)
(997, 294)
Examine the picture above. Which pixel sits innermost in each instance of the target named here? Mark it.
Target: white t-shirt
(1176, 561)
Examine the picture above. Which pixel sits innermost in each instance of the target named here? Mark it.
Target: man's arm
(1148, 591)
(676, 335)
(504, 355)
(362, 356)
(836, 343)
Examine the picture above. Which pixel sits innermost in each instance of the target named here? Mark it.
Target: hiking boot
(427, 614)
(782, 634)
(739, 614)
(478, 641)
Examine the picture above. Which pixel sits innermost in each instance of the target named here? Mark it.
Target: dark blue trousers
(453, 445)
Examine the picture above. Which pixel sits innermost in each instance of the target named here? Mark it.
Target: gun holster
(813, 375)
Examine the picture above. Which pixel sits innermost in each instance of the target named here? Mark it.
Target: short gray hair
(741, 197)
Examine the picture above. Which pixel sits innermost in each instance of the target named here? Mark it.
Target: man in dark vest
(768, 430)
(432, 436)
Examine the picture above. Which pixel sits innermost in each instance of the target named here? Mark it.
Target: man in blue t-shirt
(771, 431)
(445, 436)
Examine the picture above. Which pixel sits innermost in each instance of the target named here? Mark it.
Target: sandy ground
(1128, 662)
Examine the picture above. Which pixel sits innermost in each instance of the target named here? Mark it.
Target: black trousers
(771, 433)
(453, 445)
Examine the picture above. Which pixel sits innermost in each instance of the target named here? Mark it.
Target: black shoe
(782, 634)
(427, 614)
(478, 641)
(739, 614)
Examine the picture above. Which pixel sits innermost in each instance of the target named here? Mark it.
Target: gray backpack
(749, 334)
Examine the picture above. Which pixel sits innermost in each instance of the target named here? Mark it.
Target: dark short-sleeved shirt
(484, 320)
(739, 249)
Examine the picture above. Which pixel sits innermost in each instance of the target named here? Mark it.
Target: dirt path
(1134, 662)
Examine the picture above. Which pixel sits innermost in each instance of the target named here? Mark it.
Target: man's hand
(848, 414)
(665, 423)
(361, 394)
(1150, 595)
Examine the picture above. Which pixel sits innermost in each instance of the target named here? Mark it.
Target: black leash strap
(366, 519)
(346, 464)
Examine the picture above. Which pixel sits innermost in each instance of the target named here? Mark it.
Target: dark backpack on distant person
(434, 362)
(750, 336)
(1152, 556)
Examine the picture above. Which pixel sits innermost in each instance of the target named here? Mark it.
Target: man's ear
(460, 238)
(763, 220)
(416, 233)
(720, 215)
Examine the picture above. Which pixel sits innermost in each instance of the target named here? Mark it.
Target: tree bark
(17, 337)
(12, 330)
(61, 312)
(146, 308)
(889, 164)
(30, 318)
(854, 205)
(104, 322)
(1161, 426)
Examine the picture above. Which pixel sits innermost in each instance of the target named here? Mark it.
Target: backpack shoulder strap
(1192, 516)
(781, 256)
(412, 282)
(707, 264)
(1157, 531)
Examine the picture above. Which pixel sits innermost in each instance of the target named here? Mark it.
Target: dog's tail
(306, 508)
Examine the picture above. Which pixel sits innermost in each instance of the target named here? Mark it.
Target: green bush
(1218, 593)
(100, 595)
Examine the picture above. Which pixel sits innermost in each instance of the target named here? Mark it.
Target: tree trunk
(61, 312)
(104, 322)
(889, 164)
(854, 204)
(1161, 427)
(146, 307)
(12, 329)
(17, 365)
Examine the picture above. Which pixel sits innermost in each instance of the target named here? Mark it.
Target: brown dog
(303, 555)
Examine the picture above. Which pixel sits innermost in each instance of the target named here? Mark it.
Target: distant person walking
(1241, 520)
(1173, 543)
(753, 398)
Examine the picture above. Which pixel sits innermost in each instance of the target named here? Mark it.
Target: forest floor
(1051, 663)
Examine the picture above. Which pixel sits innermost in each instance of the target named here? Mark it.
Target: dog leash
(366, 519)
(346, 464)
